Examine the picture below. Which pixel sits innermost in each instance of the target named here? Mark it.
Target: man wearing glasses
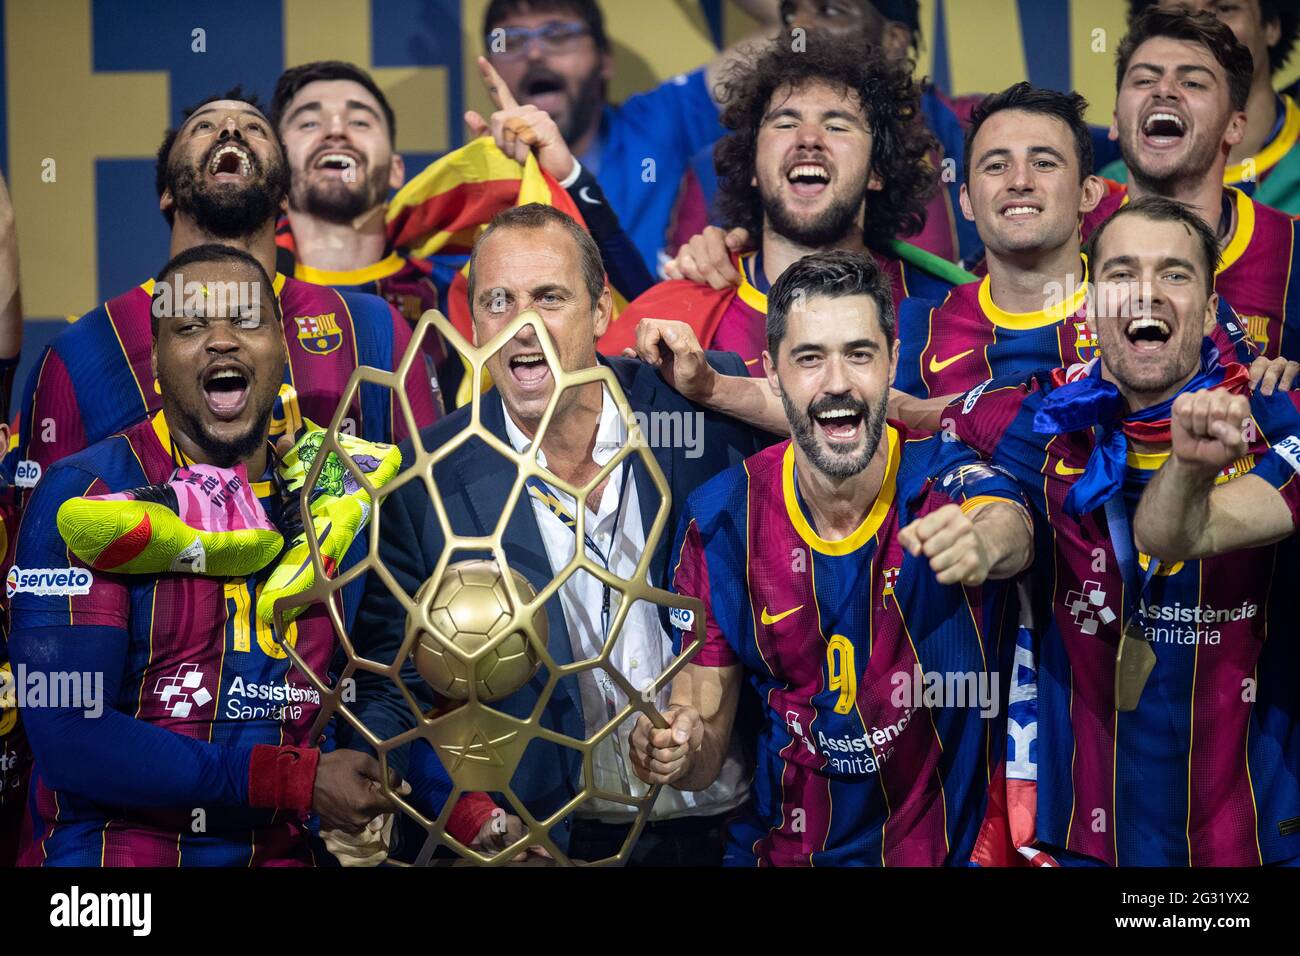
(555, 55)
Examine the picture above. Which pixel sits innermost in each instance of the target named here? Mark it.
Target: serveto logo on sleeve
(27, 474)
(1289, 450)
(973, 396)
(48, 582)
(681, 618)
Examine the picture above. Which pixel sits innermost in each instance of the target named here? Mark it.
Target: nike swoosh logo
(937, 367)
(588, 199)
(770, 619)
(1065, 471)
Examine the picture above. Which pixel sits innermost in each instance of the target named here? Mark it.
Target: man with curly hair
(1266, 163)
(825, 152)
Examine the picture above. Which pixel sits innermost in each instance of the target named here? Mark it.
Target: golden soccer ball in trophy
(468, 608)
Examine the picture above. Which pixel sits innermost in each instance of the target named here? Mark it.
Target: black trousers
(682, 841)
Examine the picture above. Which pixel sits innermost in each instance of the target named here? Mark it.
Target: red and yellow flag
(445, 208)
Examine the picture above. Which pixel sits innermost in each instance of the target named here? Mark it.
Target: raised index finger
(495, 86)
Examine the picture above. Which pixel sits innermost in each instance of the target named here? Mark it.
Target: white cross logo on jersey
(796, 729)
(1084, 604)
(178, 691)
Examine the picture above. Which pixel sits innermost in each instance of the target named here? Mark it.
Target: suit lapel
(641, 394)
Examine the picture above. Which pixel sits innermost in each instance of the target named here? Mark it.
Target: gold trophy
(476, 631)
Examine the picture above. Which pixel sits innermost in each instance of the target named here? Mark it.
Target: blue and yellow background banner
(87, 88)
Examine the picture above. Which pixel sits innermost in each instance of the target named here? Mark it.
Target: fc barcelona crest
(318, 334)
(891, 579)
(1084, 341)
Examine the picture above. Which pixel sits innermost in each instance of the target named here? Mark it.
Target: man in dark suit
(535, 257)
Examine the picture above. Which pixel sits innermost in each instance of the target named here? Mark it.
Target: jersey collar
(382, 269)
(1286, 135)
(1241, 235)
(870, 525)
(1022, 321)
(751, 279)
(262, 489)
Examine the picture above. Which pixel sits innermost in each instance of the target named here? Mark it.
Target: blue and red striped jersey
(948, 346)
(859, 761)
(193, 682)
(95, 379)
(411, 286)
(1203, 772)
(735, 319)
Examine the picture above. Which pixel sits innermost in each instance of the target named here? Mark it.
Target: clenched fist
(951, 543)
(1208, 429)
(664, 755)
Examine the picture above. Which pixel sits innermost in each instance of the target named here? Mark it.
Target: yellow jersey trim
(1023, 321)
(260, 488)
(1272, 153)
(1241, 236)
(870, 525)
(748, 293)
(371, 273)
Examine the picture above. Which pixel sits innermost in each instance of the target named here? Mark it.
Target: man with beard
(823, 154)
(841, 572)
(340, 134)
(196, 714)
(555, 55)
(1165, 729)
(894, 26)
(1266, 163)
(1183, 82)
(1028, 184)
(221, 177)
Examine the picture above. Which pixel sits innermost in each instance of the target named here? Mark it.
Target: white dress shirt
(616, 539)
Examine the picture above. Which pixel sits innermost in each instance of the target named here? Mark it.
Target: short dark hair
(1283, 11)
(1161, 209)
(905, 12)
(588, 11)
(296, 77)
(1203, 28)
(1069, 108)
(212, 252)
(535, 215)
(890, 102)
(835, 273)
(235, 93)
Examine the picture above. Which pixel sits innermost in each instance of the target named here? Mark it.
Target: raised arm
(1183, 515)
(518, 130)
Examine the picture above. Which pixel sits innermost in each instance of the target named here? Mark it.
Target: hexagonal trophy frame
(478, 745)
